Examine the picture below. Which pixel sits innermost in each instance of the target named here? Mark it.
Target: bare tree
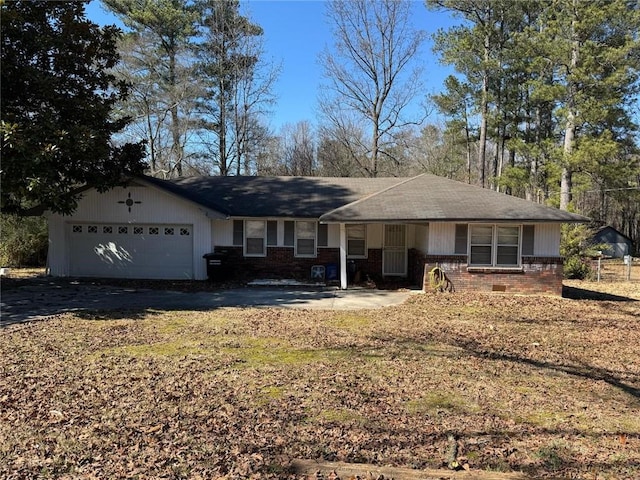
(292, 152)
(151, 105)
(371, 75)
(238, 84)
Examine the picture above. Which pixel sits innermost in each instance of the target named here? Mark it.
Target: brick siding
(281, 262)
(538, 275)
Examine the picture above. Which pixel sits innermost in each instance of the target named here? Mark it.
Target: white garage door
(131, 251)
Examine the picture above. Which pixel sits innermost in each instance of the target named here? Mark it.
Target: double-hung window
(255, 238)
(494, 245)
(357, 241)
(305, 239)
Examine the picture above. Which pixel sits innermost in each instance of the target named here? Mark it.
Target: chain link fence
(625, 269)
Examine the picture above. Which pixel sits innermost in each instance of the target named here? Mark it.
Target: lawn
(545, 386)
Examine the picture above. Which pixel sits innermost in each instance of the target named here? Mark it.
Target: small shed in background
(618, 244)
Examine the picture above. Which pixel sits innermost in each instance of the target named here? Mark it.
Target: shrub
(23, 241)
(576, 247)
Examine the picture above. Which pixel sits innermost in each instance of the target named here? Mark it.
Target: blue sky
(295, 32)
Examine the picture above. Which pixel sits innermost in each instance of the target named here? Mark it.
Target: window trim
(245, 238)
(366, 249)
(494, 246)
(315, 240)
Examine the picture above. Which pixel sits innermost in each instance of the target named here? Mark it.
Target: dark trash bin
(217, 268)
(332, 272)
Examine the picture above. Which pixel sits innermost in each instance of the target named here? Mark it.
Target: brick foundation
(538, 275)
(280, 262)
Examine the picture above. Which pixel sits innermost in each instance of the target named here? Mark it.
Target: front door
(394, 254)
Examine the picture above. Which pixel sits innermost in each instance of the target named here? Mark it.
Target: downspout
(343, 256)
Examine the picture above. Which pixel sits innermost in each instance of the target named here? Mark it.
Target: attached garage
(162, 251)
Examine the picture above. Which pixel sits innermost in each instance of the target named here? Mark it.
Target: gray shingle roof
(431, 198)
(417, 199)
(301, 197)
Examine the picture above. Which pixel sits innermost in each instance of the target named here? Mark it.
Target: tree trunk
(175, 119)
(570, 125)
(374, 149)
(222, 132)
(484, 112)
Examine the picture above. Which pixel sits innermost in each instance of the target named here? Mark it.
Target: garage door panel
(131, 251)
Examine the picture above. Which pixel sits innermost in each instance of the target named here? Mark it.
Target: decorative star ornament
(129, 202)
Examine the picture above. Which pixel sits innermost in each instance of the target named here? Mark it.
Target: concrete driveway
(46, 297)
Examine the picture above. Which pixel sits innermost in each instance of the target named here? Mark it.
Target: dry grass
(547, 386)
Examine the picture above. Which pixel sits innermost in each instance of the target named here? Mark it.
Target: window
(507, 246)
(168, 230)
(481, 243)
(154, 230)
(356, 240)
(92, 229)
(289, 233)
(494, 245)
(238, 232)
(185, 232)
(138, 231)
(272, 232)
(123, 230)
(255, 237)
(107, 229)
(323, 235)
(306, 239)
(76, 229)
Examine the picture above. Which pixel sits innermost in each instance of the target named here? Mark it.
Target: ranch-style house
(284, 227)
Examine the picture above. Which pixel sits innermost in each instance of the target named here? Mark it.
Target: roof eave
(209, 212)
(326, 219)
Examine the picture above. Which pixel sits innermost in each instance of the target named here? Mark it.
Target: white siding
(155, 207)
(375, 233)
(222, 233)
(442, 238)
(546, 242)
(57, 255)
(333, 235)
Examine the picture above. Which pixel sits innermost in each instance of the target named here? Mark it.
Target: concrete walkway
(37, 300)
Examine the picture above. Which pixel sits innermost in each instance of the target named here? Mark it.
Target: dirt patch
(545, 386)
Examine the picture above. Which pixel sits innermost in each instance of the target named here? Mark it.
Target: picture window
(494, 245)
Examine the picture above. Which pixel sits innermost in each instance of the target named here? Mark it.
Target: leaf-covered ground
(546, 386)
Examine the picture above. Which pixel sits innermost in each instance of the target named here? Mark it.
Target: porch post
(343, 256)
